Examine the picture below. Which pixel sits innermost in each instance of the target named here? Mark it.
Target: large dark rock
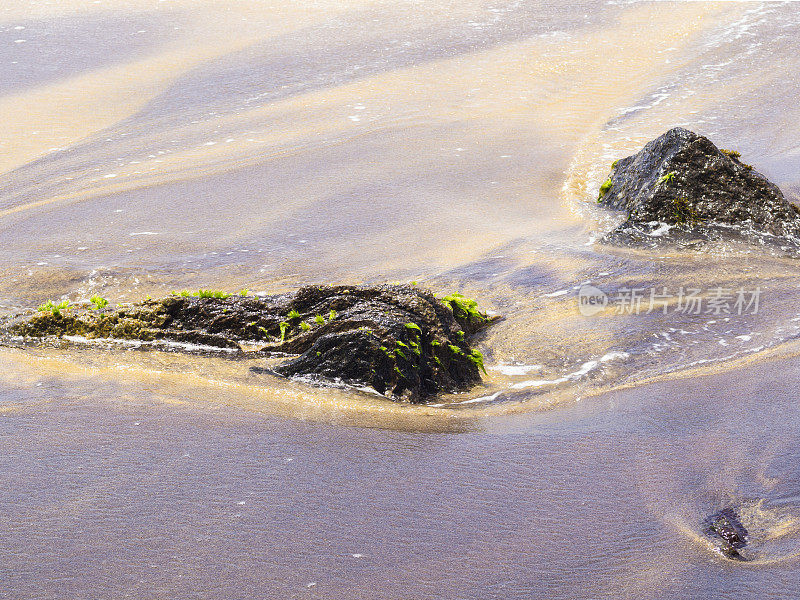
(683, 180)
(400, 340)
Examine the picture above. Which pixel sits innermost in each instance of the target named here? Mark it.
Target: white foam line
(662, 229)
(475, 400)
(514, 369)
(585, 369)
(194, 347)
(155, 344)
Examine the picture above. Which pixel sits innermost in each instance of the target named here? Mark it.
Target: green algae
(466, 308)
(735, 155)
(683, 213)
(667, 178)
(201, 293)
(604, 189)
(455, 350)
(53, 308)
(211, 294)
(98, 302)
(477, 359)
(414, 327)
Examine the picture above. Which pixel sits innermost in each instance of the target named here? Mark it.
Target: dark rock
(400, 340)
(683, 180)
(728, 532)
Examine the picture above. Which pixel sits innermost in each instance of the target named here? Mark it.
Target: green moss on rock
(604, 189)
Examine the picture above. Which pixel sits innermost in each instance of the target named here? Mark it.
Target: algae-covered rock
(398, 339)
(683, 180)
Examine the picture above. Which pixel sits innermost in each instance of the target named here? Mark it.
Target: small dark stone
(398, 339)
(725, 528)
(683, 179)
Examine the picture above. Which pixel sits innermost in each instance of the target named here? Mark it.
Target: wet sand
(143, 491)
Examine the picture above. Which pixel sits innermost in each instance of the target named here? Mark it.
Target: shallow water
(461, 145)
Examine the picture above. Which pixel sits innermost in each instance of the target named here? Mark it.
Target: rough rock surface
(400, 340)
(682, 179)
(728, 533)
